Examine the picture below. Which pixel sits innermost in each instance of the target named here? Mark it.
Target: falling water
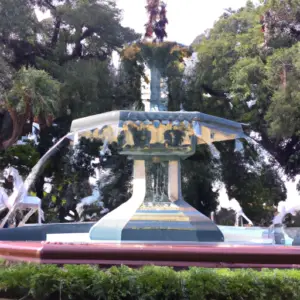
(37, 169)
(156, 182)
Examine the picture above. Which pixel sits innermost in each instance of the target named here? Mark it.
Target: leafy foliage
(22, 157)
(35, 88)
(45, 282)
(78, 38)
(90, 94)
(59, 66)
(256, 184)
(252, 76)
(70, 175)
(118, 183)
(162, 55)
(283, 113)
(70, 170)
(199, 172)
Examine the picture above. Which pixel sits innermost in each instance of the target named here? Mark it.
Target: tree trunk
(18, 124)
(18, 121)
(40, 181)
(283, 77)
(39, 187)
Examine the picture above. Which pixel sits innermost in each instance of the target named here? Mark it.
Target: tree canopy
(248, 71)
(249, 66)
(54, 69)
(73, 46)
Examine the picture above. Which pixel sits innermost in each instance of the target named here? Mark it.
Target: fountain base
(176, 222)
(141, 220)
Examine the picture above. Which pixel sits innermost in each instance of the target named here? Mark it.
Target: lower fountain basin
(36, 232)
(79, 233)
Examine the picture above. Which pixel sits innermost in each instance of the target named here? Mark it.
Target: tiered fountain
(156, 139)
(159, 138)
(132, 234)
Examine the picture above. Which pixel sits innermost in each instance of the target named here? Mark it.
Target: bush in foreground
(27, 281)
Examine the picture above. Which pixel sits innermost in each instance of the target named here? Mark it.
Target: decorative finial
(157, 20)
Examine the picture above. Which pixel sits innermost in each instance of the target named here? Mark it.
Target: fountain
(149, 138)
(156, 138)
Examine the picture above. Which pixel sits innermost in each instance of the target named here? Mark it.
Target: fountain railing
(133, 254)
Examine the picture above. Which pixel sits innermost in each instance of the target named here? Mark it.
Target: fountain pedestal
(174, 220)
(156, 137)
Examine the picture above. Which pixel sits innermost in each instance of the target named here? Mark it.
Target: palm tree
(34, 93)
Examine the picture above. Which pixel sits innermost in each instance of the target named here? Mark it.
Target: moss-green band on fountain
(157, 134)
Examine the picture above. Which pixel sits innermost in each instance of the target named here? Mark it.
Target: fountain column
(174, 181)
(162, 218)
(158, 96)
(157, 140)
(155, 89)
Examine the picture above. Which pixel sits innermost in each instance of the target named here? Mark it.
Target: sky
(187, 19)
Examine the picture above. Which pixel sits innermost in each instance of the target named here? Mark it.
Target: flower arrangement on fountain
(155, 63)
(156, 53)
(161, 55)
(157, 19)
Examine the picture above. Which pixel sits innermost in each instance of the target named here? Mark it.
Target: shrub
(73, 282)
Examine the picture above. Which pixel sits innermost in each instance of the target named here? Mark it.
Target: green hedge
(28, 281)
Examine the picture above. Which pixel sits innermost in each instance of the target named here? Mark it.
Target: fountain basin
(167, 135)
(232, 236)
(79, 233)
(37, 232)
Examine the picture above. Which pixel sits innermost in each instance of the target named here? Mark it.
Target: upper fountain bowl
(165, 135)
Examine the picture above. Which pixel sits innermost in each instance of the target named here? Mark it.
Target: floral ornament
(157, 20)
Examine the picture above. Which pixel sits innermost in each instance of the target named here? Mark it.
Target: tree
(70, 170)
(34, 93)
(22, 157)
(118, 183)
(239, 78)
(251, 80)
(65, 61)
(90, 94)
(199, 172)
(78, 37)
(76, 29)
(281, 20)
(253, 182)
